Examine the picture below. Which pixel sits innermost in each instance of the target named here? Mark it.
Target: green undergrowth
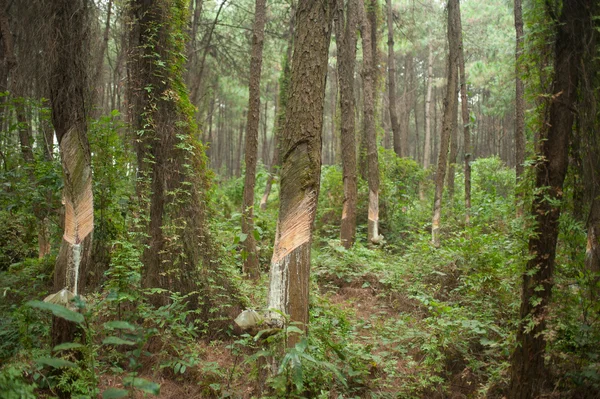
(399, 320)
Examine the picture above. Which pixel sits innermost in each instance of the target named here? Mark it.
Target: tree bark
(527, 363)
(448, 119)
(464, 103)
(69, 96)
(519, 101)
(251, 266)
(407, 98)
(368, 76)
(301, 163)
(392, 80)
(172, 168)
(281, 105)
(345, 30)
(428, 108)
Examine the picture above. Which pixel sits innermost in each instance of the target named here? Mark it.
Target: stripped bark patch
(296, 227)
(78, 196)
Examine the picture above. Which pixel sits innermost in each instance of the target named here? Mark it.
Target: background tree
(449, 118)
(370, 134)
(345, 32)
(251, 265)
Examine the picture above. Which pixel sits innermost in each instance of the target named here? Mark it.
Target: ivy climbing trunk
(448, 118)
(368, 76)
(300, 146)
(527, 363)
(69, 96)
(345, 31)
(251, 266)
(172, 166)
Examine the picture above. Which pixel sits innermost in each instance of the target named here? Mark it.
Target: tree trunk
(406, 100)
(392, 79)
(251, 266)
(428, 108)
(69, 95)
(301, 163)
(99, 67)
(281, 105)
(464, 102)
(448, 119)
(519, 102)
(179, 255)
(527, 363)
(345, 30)
(368, 77)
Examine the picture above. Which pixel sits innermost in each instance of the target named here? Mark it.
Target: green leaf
(143, 385)
(294, 329)
(58, 311)
(116, 341)
(67, 346)
(55, 362)
(114, 393)
(256, 235)
(120, 325)
(243, 237)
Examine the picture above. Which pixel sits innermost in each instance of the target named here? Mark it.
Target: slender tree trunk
(452, 155)
(239, 152)
(265, 140)
(368, 76)
(281, 105)
(406, 100)
(251, 266)
(346, 39)
(195, 90)
(99, 67)
(449, 117)
(428, 108)
(464, 103)
(301, 163)
(527, 371)
(392, 80)
(519, 102)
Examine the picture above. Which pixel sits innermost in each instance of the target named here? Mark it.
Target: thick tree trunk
(346, 39)
(301, 163)
(251, 266)
(449, 117)
(464, 103)
(527, 371)
(370, 134)
(69, 95)
(179, 255)
(392, 78)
